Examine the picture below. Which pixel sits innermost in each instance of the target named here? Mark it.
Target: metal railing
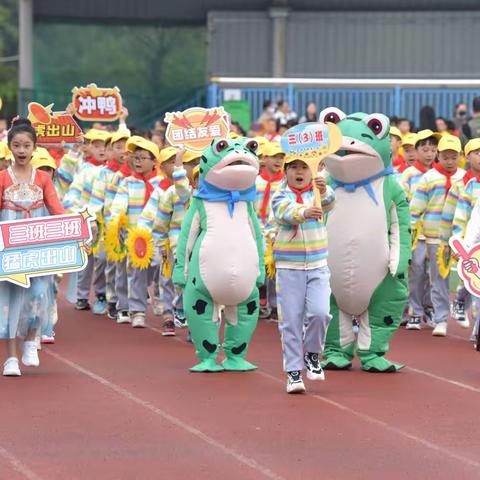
(400, 97)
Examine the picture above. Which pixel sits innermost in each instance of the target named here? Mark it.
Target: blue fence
(396, 100)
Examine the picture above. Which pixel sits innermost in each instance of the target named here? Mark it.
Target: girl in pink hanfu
(25, 192)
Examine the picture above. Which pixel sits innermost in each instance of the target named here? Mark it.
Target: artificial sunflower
(167, 264)
(444, 260)
(139, 247)
(114, 238)
(95, 245)
(269, 260)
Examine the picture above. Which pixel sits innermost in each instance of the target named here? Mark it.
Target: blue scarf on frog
(210, 193)
(351, 187)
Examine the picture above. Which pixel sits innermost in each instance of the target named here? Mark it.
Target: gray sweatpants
(303, 296)
(138, 291)
(440, 290)
(121, 285)
(95, 268)
(110, 269)
(419, 281)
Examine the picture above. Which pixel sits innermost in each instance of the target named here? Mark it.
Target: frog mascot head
(220, 255)
(369, 243)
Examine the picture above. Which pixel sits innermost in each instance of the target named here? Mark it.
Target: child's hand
(313, 212)
(123, 115)
(179, 157)
(321, 184)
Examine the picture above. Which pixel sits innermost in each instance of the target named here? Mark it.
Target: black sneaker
(414, 323)
(314, 369)
(82, 304)
(274, 314)
(112, 311)
(428, 317)
(179, 318)
(295, 382)
(458, 310)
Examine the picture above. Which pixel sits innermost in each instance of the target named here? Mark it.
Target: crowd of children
(134, 185)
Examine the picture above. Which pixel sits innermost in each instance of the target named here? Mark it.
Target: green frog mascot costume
(220, 255)
(369, 243)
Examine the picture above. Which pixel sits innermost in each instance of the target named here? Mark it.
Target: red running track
(113, 403)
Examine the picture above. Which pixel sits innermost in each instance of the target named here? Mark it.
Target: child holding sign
(24, 192)
(303, 288)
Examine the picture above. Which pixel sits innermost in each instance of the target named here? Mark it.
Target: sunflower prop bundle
(269, 260)
(167, 264)
(114, 238)
(139, 247)
(95, 246)
(416, 234)
(444, 260)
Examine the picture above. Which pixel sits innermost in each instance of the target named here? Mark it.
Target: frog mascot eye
(378, 124)
(331, 114)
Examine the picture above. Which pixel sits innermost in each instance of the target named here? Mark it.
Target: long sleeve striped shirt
(99, 190)
(80, 191)
(428, 202)
(300, 244)
(69, 166)
(466, 202)
(164, 212)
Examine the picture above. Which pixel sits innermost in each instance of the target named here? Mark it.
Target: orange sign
(196, 127)
(95, 104)
(53, 127)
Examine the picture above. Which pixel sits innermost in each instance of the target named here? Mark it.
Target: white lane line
(466, 386)
(17, 465)
(250, 462)
(386, 426)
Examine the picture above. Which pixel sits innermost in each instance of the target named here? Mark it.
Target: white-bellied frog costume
(220, 255)
(369, 243)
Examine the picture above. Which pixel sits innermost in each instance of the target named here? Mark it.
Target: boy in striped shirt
(303, 278)
(427, 204)
(420, 303)
(130, 200)
(268, 181)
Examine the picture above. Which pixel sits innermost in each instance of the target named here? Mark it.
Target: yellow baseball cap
(473, 144)
(427, 133)
(410, 139)
(41, 158)
(450, 142)
(189, 156)
(139, 142)
(120, 135)
(396, 132)
(262, 142)
(271, 149)
(233, 135)
(95, 134)
(5, 151)
(292, 158)
(167, 153)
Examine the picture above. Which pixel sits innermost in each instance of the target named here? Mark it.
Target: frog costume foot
(236, 364)
(337, 362)
(208, 365)
(380, 364)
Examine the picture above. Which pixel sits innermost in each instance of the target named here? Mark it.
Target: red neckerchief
(448, 176)
(402, 167)
(398, 162)
(266, 198)
(113, 165)
(299, 199)
(57, 154)
(148, 186)
(93, 161)
(125, 169)
(165, 184)
(419, 166)
(469, 175)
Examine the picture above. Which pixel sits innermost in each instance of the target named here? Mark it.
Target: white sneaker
(138, 320)
(295, 382)
(465, 323)
(47, 339)
(30, 354)
(11, 367)
(123, 317)
(440, 330)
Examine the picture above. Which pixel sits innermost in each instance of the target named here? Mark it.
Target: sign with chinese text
(312, 142)
(53, 127)
(36, 247)
(196, 127)
(95, 104)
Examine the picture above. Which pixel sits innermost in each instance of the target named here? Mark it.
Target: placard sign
(196, 127)
(53, 127)
(41, 246)
(95, 104)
